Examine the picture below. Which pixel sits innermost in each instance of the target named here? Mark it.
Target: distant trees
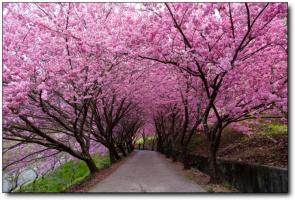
(127, 133)
(105, 118)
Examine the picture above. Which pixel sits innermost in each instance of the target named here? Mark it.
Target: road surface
(146, 171)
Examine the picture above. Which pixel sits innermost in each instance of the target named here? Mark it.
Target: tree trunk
(122, 150)
(91, 165)
(114, 156)
(213, 170)
(128, 148)
(186, 164)
(117, 155)
(174, 154)
(34, 185)
(169, 148)
(159, 145)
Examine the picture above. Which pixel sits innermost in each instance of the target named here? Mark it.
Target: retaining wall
(245, 177)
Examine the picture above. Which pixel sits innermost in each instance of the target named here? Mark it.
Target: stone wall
(245, 177)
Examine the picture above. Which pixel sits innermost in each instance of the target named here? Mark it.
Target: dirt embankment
(259, 149)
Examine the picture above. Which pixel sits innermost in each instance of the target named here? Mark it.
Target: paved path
(146, 171)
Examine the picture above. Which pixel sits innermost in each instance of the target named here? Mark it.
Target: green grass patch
(65, 176)
(271, 129)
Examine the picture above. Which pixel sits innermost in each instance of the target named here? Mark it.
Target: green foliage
(229, 186)
(65, 176)
(230, 135)
(148, 140)
(139, 141)
(272, 129)
(210, 189)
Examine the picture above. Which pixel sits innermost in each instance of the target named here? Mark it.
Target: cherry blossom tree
(78, 76)
(228, 48)
(52, 73)
(105, 118)
(127, 131)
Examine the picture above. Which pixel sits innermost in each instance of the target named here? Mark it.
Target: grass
(65, 176)
(230, 135)
(210, 189)
(271, 129)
